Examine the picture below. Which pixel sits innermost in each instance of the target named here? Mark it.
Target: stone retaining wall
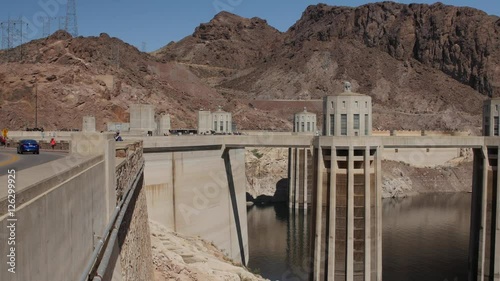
(134, 237)
(129, 162)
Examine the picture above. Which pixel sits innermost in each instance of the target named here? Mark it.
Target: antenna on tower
(71, 22)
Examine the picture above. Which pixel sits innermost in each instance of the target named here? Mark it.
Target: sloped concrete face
(190, 193)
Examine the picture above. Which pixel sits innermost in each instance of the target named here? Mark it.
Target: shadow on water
(425, 237)
(278, 242)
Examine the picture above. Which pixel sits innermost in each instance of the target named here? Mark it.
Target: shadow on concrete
(234, 202)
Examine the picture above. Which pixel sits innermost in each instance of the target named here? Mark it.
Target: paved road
(9, 159)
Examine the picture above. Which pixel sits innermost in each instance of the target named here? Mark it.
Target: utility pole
(36, 103)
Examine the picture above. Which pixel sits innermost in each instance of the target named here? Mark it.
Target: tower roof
(348, 92)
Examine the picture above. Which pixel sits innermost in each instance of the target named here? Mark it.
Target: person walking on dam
(52, 143)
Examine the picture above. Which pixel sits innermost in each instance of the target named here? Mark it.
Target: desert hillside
(425, 66)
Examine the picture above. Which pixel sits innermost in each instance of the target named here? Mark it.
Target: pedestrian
(118, 137)
(53, 143)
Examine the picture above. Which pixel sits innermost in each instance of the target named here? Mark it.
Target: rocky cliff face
(461, 42)
(101, 76)
(425, 67)
(265, 167)
(228, 41)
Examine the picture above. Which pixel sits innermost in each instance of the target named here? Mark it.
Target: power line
(71, 18)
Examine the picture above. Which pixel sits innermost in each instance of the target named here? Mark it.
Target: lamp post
(36, 103)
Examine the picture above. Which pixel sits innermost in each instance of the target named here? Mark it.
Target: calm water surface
(425, 238)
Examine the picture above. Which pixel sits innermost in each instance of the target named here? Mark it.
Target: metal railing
(110, 234)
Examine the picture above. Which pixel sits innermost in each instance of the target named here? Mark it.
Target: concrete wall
(204, 121)
(88, 124)
(408, 133)
(118, 127)
(142, 117)
(188, 192)
(62, 208)
(47, 135)
(159, 180)
(56, 229)
(164, 125)
(421, 157)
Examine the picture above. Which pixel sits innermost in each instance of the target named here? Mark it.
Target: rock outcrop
(177, 257)
(462, 42)
(265, 167)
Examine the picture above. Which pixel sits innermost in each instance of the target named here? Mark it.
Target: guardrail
(98, 263)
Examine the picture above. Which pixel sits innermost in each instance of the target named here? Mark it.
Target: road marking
(13, 158)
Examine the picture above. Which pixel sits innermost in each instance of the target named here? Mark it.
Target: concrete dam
(85, 216)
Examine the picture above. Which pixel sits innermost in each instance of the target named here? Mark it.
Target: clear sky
(157, 22)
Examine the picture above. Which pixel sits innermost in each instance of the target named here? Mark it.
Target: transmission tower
(71, 21)
(13, 33)
(5, 34)
(144, 47)
(48, 25)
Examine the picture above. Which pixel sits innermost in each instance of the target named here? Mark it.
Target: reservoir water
(425, 238)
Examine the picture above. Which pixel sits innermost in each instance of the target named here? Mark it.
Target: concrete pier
(484, 252)
(299, 176)
(347, 243)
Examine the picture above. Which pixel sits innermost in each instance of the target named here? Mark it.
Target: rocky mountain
(425, 66)
(67, 78)
(463, 43)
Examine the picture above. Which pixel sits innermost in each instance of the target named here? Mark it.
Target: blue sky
(157, 22)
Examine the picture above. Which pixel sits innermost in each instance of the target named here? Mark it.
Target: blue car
(28, 146)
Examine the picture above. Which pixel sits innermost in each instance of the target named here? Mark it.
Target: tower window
(356, 121)
(495, 126)
(343, 104)
(366, 124)
(356, 104)
(308, 126)
(343, 124)
(332, 124)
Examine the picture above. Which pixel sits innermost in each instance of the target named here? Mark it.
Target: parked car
(28, 146)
